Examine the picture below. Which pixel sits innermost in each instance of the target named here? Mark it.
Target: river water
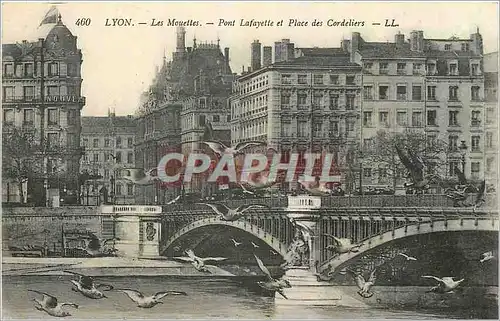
(217, 298)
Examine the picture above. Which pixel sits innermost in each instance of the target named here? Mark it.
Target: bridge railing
(425, 200)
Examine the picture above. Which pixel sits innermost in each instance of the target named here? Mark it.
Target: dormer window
(465, 46)
(447, 47)
(453, 68)
(474, 69)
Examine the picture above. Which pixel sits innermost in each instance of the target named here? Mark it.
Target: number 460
(83, 22)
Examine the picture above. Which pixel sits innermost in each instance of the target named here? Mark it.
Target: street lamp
(112, 194)
(360, 161)
(463, 150)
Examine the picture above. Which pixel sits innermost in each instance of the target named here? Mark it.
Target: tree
(381, 152)
(23, 156)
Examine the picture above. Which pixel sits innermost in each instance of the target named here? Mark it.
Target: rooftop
(91, 124)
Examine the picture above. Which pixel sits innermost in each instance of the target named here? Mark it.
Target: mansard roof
(388, 50)
(103, 124)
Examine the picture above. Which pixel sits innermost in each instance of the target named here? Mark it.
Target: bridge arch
(432, 226)
(243, 225)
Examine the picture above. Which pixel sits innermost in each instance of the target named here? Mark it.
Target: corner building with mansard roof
(26, 94)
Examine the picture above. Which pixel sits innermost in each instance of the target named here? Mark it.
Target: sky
(119, 63)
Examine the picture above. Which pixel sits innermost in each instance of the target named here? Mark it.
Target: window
(431, 118)
(302, 99)
(318, 79)
(96, 157)
(453, 69)
(334, 128)
(317, 129)
(302, 129)
(383, 118)
(368, 92)
(453, 143)
(228, 118)
(317, 99)
(72, 117)
(334, 79)
(417, 69)
(431, 68)
(53, 69)
(474, 169)
(401, 92)
(383, 92)
(106, 173)
(286, 79)
(431, 92)
(302, 79)
(201, 120)
(285, 98)
(475, 140)
(465, 47)
(367, 119)
(489, 164)
(285, 129)
(118, 142)
(401, 118)
(383, 68)
(215, 118)
(52, 139)
(475, 118)
(489, 140)
(334, 101)
(71, 91)
(86, 142)
(8, 69)
(52, 116)
(452, 168)
(118, 188)
(367, 172)
(431, 141)
(382, 173)
(8, 116)
(28, 70)
(416, 119)
(118, 157)
(71, 70)
(368, 65)
(350, 126)
(367, 143)
(106, 142)
(475, 93)
(447, 47)
(130, 142)
(416, 92)
(53, 90)
(349, 102)
(130, 189)
(96, 142)
(453, 93)
(28, 92)
(349, 80)
(202, 102)
(8, 93)
(401, 69)
(453, 118)
(474, 69)
(29, 117)
(130, 158)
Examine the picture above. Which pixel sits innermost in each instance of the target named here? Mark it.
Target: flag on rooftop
(50, 16)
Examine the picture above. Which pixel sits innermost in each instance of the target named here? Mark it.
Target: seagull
(50, 305)
(272, 284)
(254, 245)
(486, 256)
(86, 286)
(175, 200)
(363, 285)
(415, 165)
(446, 284)
(314, 186)
(149, 301)
(408, 258)
(220, 149)
(261, 180)
(98, 247)
(273, 252)
(343, 245)
(480, 196)
(229, 214)
(198, 262)
(139, 176)
(246, 191)
(236, 243)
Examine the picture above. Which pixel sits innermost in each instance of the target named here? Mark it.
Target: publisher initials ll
(392, 24)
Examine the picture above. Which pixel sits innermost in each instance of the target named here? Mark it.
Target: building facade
(308, 103)
(41, 83)
(109, 148)
(491, 117)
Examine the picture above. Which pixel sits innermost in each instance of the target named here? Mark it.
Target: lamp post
(112, 194)
(360, 161)
(463, 149)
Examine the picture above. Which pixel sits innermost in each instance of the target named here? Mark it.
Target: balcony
(47, 99)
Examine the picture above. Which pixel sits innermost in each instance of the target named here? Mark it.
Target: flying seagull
(254, 245)
(363, 285)
(230, 214)
(415, 166)
(446, 284)
(198, 262)
(220, 149)
(139, 176)
(314, 186)
(343, 245)
(148, 301)
(408, 258)
(50, 305)
(236, 244)
(272, 284)
(86, 286)
(486, 256)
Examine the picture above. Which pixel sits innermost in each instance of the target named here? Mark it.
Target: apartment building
(491, 117)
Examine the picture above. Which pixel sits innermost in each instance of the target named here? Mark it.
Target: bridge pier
(137, 229)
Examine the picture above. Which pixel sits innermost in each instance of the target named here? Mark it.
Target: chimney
(345, 45)
(226, 54)
(417, 40)
(477, 43)
(355, 43)
(267, 56)
(399, 39)
(255, 57)
(249, 69)
(290, 51)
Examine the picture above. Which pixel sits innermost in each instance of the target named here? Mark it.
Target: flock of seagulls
(86, 286)
(231, 214)
(342, 245)
(314, 186)
(199, 263)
